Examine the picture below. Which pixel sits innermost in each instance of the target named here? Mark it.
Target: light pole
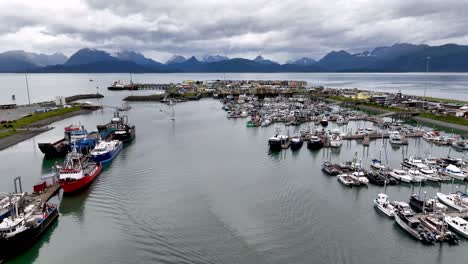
(27, 88)
(425, 87)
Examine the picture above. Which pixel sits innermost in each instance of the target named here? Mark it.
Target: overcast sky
(280, 30)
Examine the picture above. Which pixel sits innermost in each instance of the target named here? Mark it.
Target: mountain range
(400, 57)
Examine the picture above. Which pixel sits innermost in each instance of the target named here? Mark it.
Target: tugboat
(106, 151)
(78, 172)
(296, 143)
(21, 230)
(315, 143)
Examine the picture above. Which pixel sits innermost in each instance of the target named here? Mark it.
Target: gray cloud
(279, 29)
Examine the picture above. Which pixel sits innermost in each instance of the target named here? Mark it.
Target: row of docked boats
(79, 170)
(315, 140)
(24, 218)
(427, 220)
(456, 142)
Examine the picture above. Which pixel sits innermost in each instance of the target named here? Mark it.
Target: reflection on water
(32, 253)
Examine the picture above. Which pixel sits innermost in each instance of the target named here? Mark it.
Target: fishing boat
(401, 175)
(453, 200)
(377, 164)
(324, 122)
(118, 128)
(315, 143)
(460, 145)
(383, 205)
(414, 162)
(430, 136)
(106, 151)
(458, 225)
(397, 139)
(22, 229)
(416, 176)
(347, 179)
(407, 220)
(422, 205)
(330, 168)
(335, 140)
(77, 172)
(296, 143)
(275, 142)
(454, 172)
(440, 228)
(430, 175)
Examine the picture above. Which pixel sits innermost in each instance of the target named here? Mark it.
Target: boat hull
(76, 185)
(296, 145)
(405, 227)
(314, 145)
(54, 150)
(109, 156)
(21, 242)
(389, 213)
(125, 137)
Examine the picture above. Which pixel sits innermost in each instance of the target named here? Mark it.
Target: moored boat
(458, 225)
(454, 172)
(21, 230)
(296, 143)
(407, 220)
(384, 205)
(453, 200)
(78, 172)
(401, 175)
(106, 151)
(315, 143)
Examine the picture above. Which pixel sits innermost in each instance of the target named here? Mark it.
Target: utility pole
(27, 88)
(425, 87)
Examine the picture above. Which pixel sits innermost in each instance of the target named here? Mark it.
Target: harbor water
(206, 189)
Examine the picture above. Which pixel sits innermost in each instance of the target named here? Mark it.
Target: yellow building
(363, 96)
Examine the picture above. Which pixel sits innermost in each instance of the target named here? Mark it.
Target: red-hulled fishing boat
(78, 172)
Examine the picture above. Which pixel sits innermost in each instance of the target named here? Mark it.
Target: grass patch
(442, 100)
(7, 134)
(28, 120)
(448, 119)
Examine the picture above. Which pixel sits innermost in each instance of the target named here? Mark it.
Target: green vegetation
(31, 119)
(442, 100)
(8, 133)
(444, 118)
(28, 120)
(366, 103)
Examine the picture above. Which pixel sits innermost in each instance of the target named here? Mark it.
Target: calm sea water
(205, 189)
(47, 86)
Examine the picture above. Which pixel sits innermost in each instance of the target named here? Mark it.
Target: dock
(47, 193)
(377, 136)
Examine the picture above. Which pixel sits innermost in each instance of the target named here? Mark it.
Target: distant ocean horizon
(45, 86)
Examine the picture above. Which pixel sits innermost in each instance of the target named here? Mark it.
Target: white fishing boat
(430, 175)
(453, 200)
(454, 172)
(347, 179)
(416, 176)
(458, 225)
(397, 139)
(382, 204)
(377, 164)
(336, 141)
(401, 175)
